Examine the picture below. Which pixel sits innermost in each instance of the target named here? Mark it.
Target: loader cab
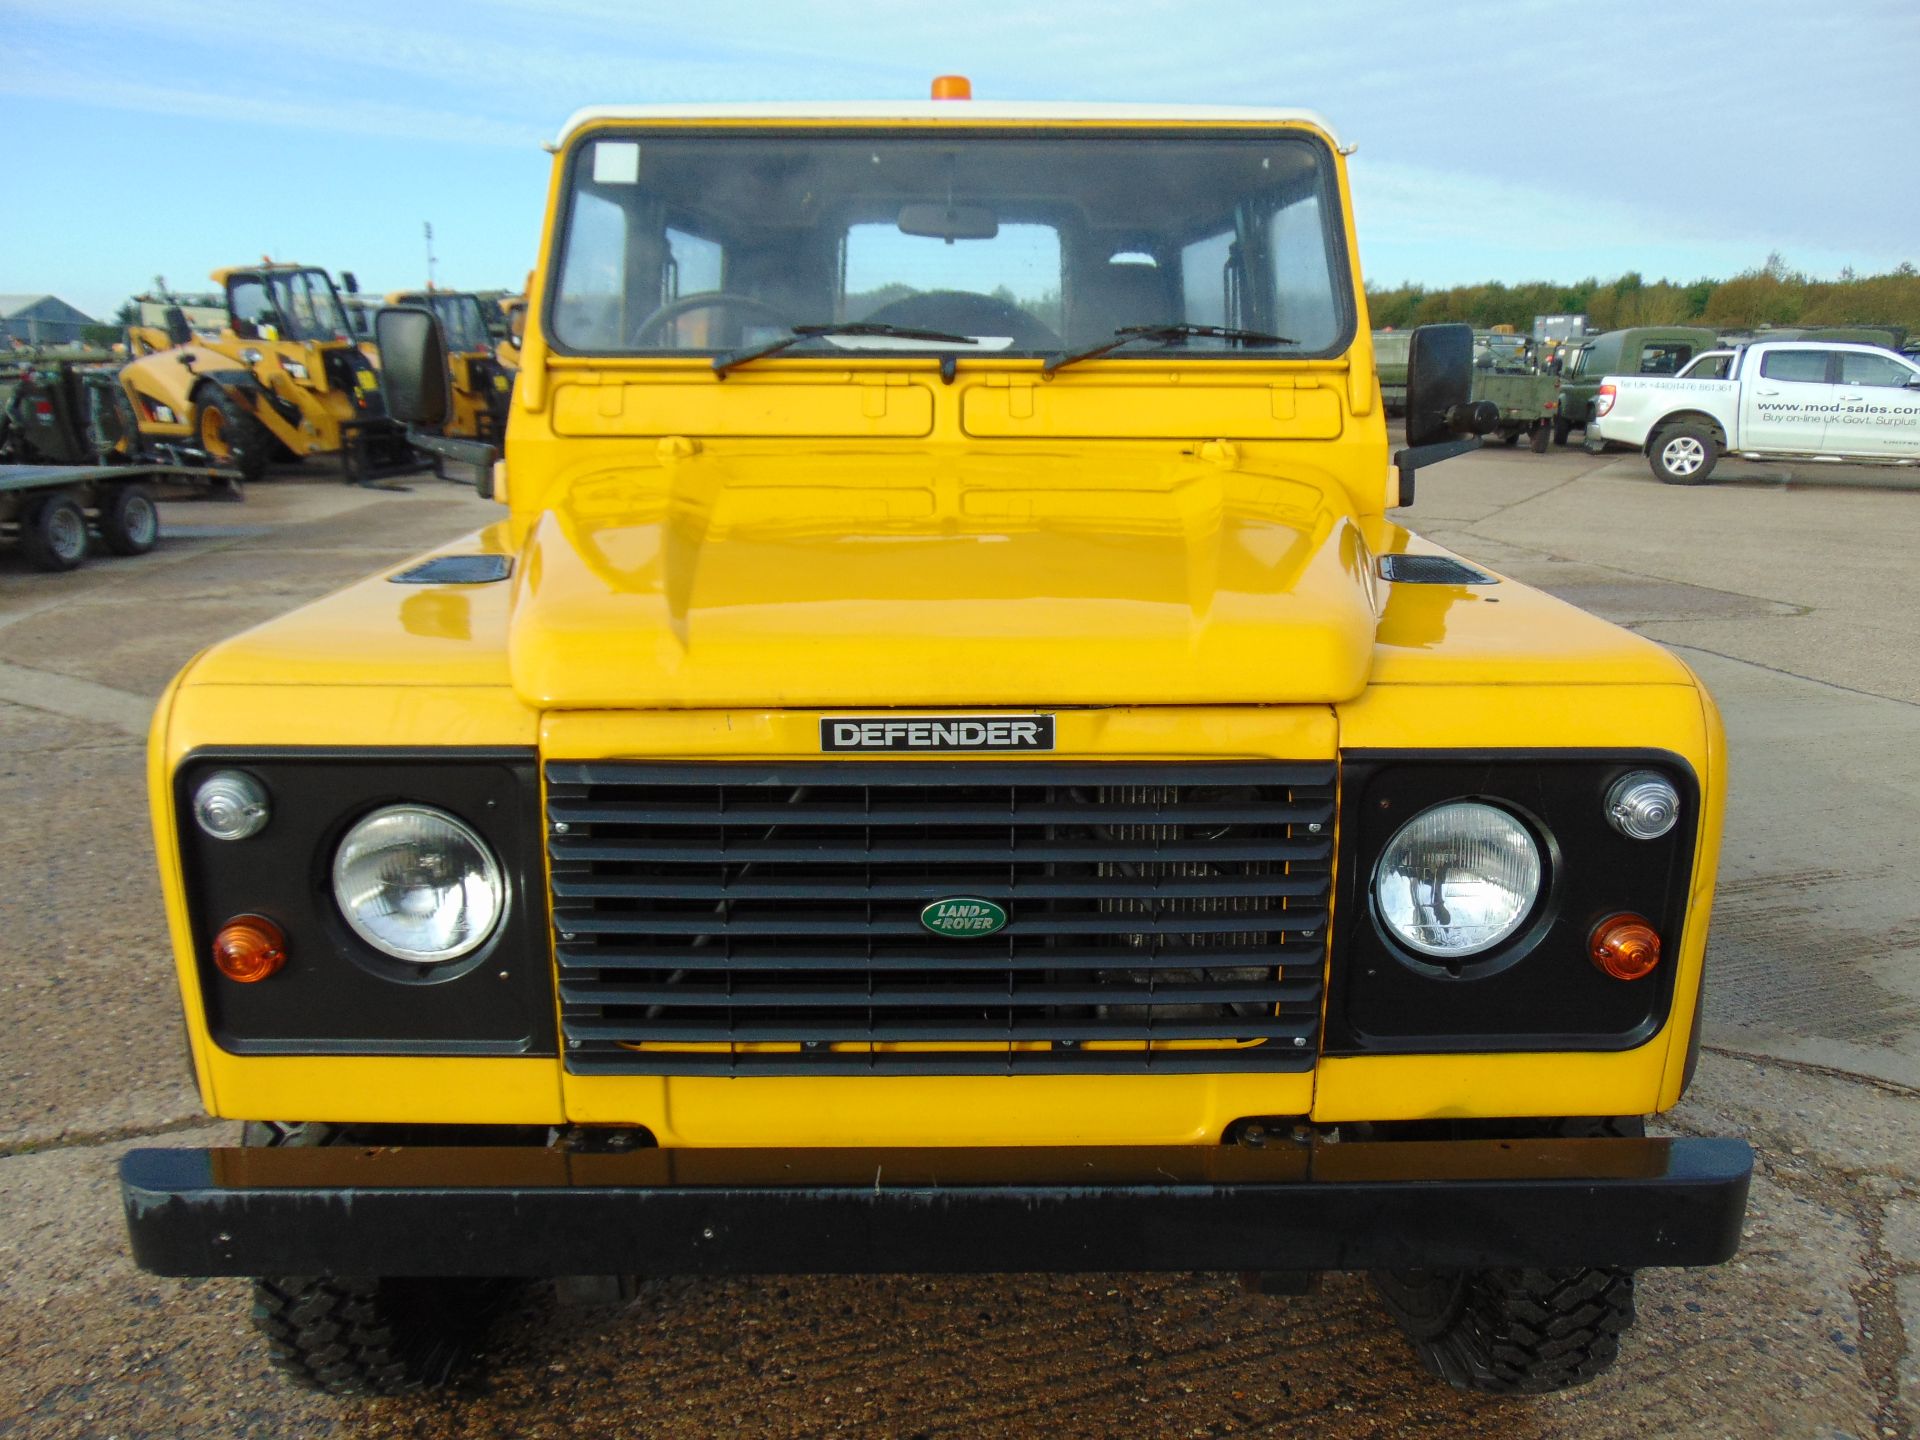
(286, 304)
(462, 321)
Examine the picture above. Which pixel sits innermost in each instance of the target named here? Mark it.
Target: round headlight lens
(417, 884)
(1457, 879)
(231, 805)
(1643, 805)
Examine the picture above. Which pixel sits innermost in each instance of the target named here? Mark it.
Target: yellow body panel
(1177, 560)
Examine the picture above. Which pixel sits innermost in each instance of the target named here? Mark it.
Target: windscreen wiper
(727, 359)
(1166, 334)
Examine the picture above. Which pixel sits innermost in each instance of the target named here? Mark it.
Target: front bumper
(1459, 1204)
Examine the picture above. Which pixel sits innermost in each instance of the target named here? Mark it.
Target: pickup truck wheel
(53, 534)
(1684, 454)
(129, 521)
(363, 1335)
(1561, 430)
(1512, 1332)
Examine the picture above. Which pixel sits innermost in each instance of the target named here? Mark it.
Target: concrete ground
(1793, 593)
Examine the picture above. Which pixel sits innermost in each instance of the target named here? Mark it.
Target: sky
(1497, 139)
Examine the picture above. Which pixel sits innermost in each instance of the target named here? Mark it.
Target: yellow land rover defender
(943, 763)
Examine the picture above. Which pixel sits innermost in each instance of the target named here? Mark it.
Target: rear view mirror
(948, 222)
(178, 331)
(413, 365)
(1439, 381)
(349, 283)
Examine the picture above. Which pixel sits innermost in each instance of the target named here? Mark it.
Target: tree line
(1773, 294)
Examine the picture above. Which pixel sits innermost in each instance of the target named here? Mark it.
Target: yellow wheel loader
(282, 378)
(480, 385)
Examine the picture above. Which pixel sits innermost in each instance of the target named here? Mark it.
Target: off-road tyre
(53, 534)
(362, 1335)
(230, 437)
(1512, 1332)
(129, 520)
(1562, 428)
(1684, 454)
(1537, 442)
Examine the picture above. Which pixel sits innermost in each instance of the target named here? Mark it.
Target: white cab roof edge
(957, 111)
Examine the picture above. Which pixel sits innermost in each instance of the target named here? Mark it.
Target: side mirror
(413, 365)
(348, 283)
(1439, 381)
(178, 331)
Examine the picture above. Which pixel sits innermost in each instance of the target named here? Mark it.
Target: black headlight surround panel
(1537, 990)
(336, 994)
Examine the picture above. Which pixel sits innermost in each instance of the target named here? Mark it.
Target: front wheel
(363, 1335)
(1511, 1332)
(230, 437)
(1684, 454)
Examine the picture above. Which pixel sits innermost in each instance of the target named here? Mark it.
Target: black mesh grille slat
(593, 957)
(766, 919)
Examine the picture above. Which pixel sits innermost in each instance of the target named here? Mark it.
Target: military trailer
(942, 763)
(1642, 350)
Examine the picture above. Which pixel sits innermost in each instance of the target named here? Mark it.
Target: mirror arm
(477, 453)
(1421, 456)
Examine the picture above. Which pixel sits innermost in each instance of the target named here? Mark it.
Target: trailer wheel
(231, 438)
(1538, 443)
(363, 1335)
(129, 520)
(1684, 454)
(1562, 428)
(54, 534)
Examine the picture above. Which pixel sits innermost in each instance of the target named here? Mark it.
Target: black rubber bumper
(1350, 1206)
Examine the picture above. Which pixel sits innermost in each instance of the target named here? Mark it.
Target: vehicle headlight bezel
(1537, 990)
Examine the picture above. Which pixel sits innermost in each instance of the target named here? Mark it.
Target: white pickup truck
(1775, 400)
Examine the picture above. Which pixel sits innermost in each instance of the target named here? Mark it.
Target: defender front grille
(765, 919)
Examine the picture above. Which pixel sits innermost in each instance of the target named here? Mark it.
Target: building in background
(41, 320)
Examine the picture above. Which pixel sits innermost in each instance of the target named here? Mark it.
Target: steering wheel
(705, 300)
(968, 312)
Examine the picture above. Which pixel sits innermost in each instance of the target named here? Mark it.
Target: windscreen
(1003, 242)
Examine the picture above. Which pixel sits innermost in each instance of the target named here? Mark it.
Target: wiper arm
(1127, 334)
(727, 359)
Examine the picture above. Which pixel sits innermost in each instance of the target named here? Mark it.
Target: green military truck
(1642, 350)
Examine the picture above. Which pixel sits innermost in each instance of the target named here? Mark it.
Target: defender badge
(963, 917)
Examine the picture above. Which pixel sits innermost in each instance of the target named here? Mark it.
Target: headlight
(417, 884)
(294, 368)
(1457, 879)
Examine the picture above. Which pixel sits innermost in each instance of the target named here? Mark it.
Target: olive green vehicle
(1504, 376)
(1643, 350)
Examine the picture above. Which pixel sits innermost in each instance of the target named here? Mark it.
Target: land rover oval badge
(963, 917)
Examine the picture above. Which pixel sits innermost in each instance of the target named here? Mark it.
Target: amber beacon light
(952, 87)
(1625, 947)
(249, 948)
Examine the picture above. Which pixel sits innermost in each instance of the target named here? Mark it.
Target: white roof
(959, 112)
